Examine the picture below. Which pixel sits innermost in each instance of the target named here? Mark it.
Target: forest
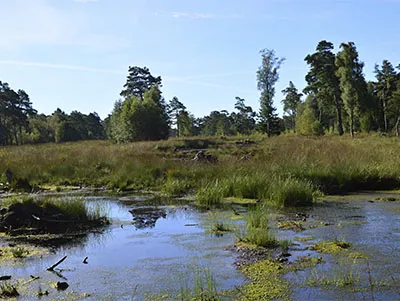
(337, 100)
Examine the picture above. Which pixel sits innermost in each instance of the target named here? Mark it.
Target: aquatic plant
(19, 252)
(204, 287)
(8, 290)
(266, 282)
(210, 195)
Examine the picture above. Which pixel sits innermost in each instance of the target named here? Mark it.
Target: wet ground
(153, 249)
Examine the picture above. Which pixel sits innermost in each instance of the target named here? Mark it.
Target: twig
(51, 269)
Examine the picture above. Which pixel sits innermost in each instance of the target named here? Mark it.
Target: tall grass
(202, 287)
(257, 231)
(285, 170)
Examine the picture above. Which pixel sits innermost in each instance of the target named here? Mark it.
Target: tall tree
(385, 87)
(243, 120)
(267, 76)
(175, 109)
(291, 102)
(139, 81)
(349, 72)
(323, 82)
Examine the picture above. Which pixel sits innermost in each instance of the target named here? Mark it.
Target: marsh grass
(284, 171)
(219, 227)
(257, 231)
(73, 208)
(19, 252)
(203, 287)
(8, 290)
(210, 195)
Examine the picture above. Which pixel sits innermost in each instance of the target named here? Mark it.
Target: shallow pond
(163, 250)
(168, 247)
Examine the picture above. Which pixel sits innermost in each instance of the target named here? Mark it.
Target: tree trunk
(397, 126)
(339, 116)
(352, 123)
(268, 128)
(384, 116)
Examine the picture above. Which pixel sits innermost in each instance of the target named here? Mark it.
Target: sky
(75, 54)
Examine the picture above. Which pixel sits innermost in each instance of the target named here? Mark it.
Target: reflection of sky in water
(153, 259)
(167, 256)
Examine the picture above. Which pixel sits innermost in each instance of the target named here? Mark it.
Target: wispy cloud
(185, 15)
(192, 80)
(85, 1)
(195, 15)
(60, 66)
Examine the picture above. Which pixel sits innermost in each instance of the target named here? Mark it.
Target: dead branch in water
(56, 264)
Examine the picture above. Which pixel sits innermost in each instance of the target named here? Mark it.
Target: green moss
(239, 201)
(331, 247)
(266, 282)
(292, 225)
(23, 251)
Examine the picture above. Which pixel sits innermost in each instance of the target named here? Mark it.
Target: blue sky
(74, 54)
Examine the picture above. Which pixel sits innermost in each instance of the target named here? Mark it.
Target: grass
(52, 214)
(8, 290)
(203, 288)
(282, 171)
(257, 231)
(19, 252)
(220, 228)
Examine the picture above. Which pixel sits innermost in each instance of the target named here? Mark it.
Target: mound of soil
(33, 218)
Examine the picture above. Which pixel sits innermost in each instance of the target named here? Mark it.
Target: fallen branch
(56, 264)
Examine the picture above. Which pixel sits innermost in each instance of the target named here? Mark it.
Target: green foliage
(349, 72)
(137, 119)
(139, 81)
(291, 103)
(306, 123)
(267, 76)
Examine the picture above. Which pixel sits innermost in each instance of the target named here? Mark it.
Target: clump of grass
(210, 195)
(176, 187)
(257, 231)
(204, 288)
(292, 192)
(8, 290)
(19, 252)
(219, 228)
(332, 247)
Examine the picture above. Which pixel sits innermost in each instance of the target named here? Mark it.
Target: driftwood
(56, 264)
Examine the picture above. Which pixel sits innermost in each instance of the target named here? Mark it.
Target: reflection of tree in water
(146, 217)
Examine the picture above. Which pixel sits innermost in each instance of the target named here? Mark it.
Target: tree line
(337, 99)
(20, 123)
